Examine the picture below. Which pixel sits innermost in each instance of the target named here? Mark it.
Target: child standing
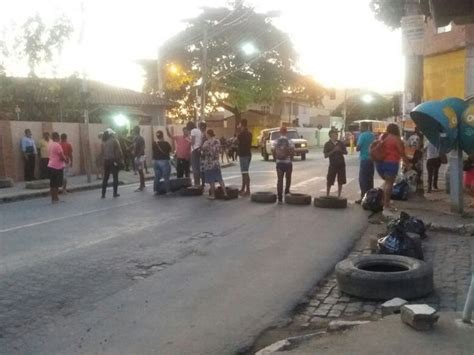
(335, 150)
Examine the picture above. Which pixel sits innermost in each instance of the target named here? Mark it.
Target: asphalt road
(165, 275)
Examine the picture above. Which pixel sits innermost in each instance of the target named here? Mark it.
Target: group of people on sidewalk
(55, 160)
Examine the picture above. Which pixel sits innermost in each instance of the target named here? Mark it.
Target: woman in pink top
(393, 151)
(183, 152)
(55, 166)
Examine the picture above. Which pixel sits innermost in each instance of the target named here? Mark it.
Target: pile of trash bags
(404, 236)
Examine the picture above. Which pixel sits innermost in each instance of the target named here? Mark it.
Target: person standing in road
(196, 142)
(183, 152)
(67, 150)
(211, 149)
(433, 163)
(366, 168)
(203, 127)
(56, 163)
(28, 148)
(139, 156)
(113, 159)
(334, 149)
(244, 148)
(99, 160)
(44, 155)
(393, 151)
(283, 151)
(161, 162)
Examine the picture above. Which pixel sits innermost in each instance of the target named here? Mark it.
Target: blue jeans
(162, 170)
(366, 176)
(283, 170)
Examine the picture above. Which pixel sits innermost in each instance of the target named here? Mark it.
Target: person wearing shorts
(387, 168)
(55, 166)
(335, 150)
(244, 149)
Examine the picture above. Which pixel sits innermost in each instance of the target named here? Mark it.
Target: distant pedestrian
(244, 149)
(433, 163)
(56, 163)
(161, 162)
(67, 150)
(183, 152)
(44, 155)
(224, 149)
(28, 148)
(393, 151)
(210, 162)
(139, 156)
(196, 142)
(366, 167)
(113, 159)
(335, 150)
(202, 127)
(99, 160)
(283, 151)
(124, 146)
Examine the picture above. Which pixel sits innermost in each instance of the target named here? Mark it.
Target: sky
(338, 42)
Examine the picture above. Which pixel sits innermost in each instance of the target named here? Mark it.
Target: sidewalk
(75, 183)
(449, 248)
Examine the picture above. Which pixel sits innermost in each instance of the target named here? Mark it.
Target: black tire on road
(384, 277)
(303, 156)
(330, 202)
(6, 182)
(191, 191)
(263, 197)
(232, 192)
(298, 199)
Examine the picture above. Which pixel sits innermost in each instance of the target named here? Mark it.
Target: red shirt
(67, 149)
(391, 149)
(183, 147)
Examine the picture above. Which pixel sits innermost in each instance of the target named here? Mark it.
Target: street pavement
(167, 274)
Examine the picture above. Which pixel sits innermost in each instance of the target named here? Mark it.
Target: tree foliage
(389, 12)
(357, 109)
(235, 78)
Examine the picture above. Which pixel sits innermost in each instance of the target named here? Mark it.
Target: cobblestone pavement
(450, 254)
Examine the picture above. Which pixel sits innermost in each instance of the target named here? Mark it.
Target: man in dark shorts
(335, 150)
(244, 142)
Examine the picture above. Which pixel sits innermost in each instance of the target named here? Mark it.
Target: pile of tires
(298, 199)
(232, 193)
(192, 191)
(383, 277)
(263, 197)
(330, 202)
(175, 185)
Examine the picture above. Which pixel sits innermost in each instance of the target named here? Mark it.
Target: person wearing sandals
(161, 162)
(210, 152)
(393, 152)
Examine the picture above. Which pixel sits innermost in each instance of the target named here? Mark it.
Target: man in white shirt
(196, 142)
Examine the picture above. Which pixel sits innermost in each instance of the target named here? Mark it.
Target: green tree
(379, 108)
(391, 12)
(236, 77)
(39, 43)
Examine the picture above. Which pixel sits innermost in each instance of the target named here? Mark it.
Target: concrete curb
(29, 194)
(463, 229)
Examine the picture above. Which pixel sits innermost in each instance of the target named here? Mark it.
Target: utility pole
(204, 73)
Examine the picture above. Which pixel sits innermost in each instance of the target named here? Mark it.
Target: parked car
(268, 138)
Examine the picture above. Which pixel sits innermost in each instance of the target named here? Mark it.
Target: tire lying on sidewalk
(330, 202)
(384, 277)
(37, 184)
(232, 192)
(263, 197)
(298, 199)
(5, 182)
(191, 191)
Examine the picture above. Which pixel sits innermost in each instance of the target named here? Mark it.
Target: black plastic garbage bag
(373, 200)
(408, 224)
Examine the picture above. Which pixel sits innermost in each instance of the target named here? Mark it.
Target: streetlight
(367, 98)
(249, 48)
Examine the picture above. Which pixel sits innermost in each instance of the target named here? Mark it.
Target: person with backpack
(334, 149)
(283, 151)
(387, 152)
(366, 168)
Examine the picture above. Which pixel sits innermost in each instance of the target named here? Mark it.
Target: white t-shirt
(197, 134)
